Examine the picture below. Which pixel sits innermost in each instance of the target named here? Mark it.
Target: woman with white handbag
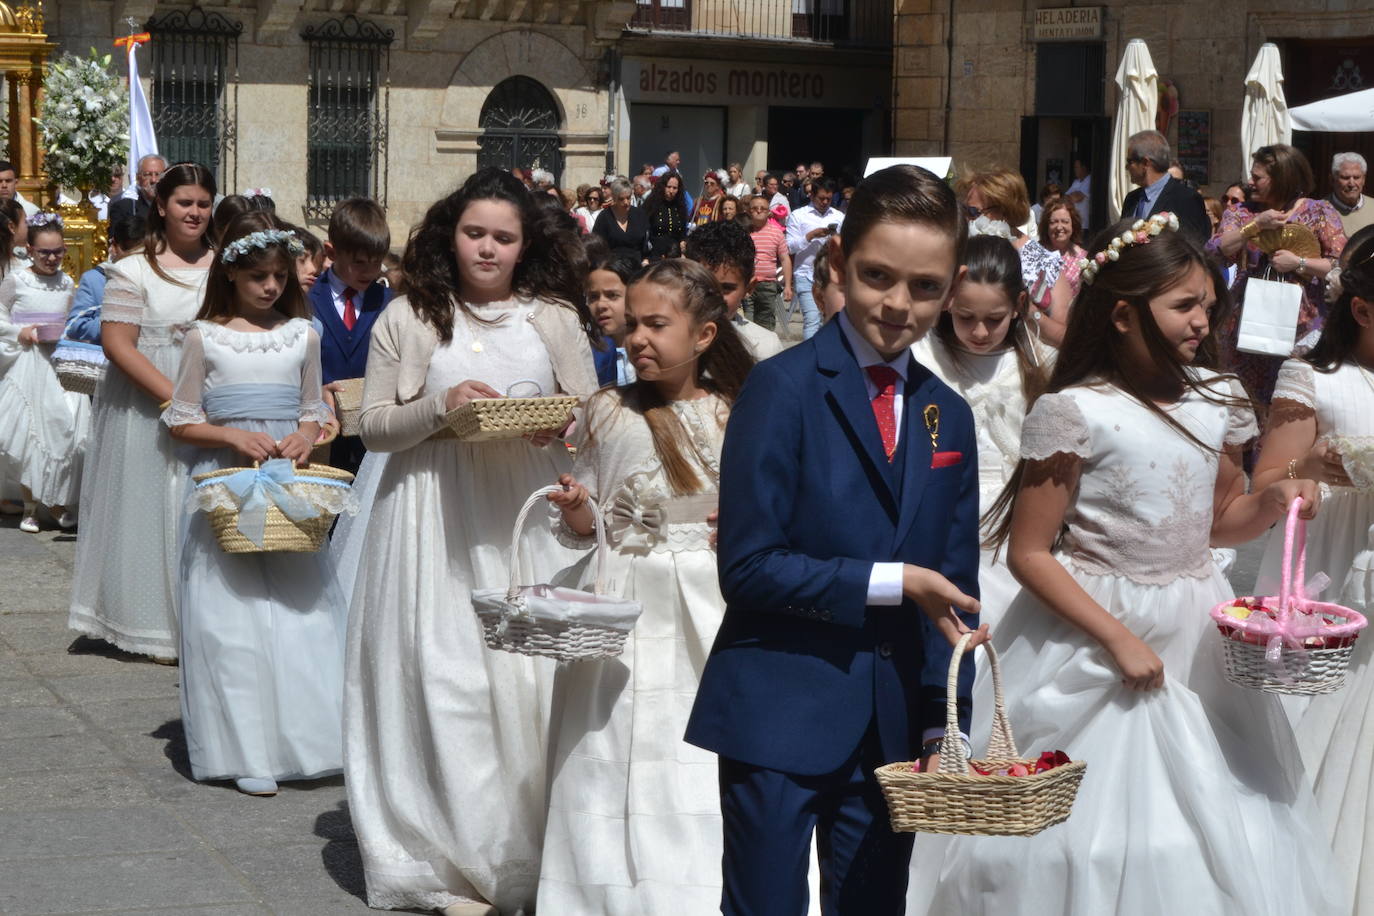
(634, 817)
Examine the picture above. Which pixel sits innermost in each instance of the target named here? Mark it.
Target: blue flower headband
(261, 239)
(45, 219)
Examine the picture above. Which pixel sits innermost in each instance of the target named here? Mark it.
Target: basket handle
(1293, 590)
(602, 548)
(1002, 743)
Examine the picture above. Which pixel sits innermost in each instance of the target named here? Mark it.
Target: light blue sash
(253, 400)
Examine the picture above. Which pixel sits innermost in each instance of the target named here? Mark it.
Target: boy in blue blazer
(848, 546)
(347, 299)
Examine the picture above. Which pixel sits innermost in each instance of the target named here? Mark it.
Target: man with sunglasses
(1147, 161)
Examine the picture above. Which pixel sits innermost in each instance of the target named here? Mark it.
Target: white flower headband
(1140, 233)
(261, 239)
(256, 192)
(45, 219)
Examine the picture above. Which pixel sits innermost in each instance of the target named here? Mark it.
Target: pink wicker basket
(1306, 647)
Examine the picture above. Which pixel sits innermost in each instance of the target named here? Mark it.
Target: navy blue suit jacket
(343, 353)
(808, 502)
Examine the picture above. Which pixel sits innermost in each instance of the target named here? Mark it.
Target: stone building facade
(979, 79)
(318, 100)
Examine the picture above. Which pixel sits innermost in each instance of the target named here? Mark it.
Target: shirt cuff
(885, 585)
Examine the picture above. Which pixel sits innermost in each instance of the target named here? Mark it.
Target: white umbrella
(1138, 84)
(1345, 114)
(1264, 120)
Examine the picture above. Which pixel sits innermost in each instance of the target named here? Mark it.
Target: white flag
(142, 140)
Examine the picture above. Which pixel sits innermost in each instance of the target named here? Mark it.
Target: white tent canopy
(1346, 114)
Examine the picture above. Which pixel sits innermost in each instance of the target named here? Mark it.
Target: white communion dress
(43, 429)
(1336, 731)
(634, 821)
(1194, 799)
(447, 741)
(262, 634)
(125, 584)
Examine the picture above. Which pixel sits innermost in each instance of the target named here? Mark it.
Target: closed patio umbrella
(1138, 83)
(1264, 120)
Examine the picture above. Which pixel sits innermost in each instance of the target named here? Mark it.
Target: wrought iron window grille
(350, 113)
(195, 82)
(520, 123)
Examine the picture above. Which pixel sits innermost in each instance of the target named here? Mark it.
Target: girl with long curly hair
(445, 740)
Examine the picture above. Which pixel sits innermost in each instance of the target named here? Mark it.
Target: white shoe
(67, 520)
(253, 785)
(469, 909)
(29, 524)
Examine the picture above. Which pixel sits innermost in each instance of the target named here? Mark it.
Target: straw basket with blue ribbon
(272, 508)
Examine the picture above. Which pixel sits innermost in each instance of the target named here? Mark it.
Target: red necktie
(350, 313)
(885, 379)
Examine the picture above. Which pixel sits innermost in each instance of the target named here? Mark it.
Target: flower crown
(45, 219)
(261, 239)
(257, 192)
(1140, 233)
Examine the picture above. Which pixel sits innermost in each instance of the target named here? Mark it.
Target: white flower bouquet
(85, 121)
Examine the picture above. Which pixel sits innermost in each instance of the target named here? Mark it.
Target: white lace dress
(125, 584)
(446, 741)
(1194, 799)
(43, 429)
(1336, 731)
(262, 635)
(634, 818)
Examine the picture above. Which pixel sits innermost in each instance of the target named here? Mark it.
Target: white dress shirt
(336, 291)
(761, 342)
(885, 580)
(801, 221)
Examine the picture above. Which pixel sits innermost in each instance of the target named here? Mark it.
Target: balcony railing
(850, 23)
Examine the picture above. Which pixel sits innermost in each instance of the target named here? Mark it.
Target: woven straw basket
(485, 419)
(281, 534)
(540, 619)
(79, 365)
(1272, 663)
(948, 800)
(320, 453)
(349, 401)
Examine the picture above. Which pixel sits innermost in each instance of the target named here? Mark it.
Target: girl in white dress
(446, 741)
(984, 348)
(262, 635)
(1194, 800)
(634, 818)
(1322, 429)
(125, 584)
(43, 429)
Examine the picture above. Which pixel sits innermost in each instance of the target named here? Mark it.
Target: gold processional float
(24, 52)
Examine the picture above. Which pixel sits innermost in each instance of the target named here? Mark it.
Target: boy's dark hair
(358, 226)
(726, 244)
(7, 166)
(127, 231)
(825, 183)
(904, 194)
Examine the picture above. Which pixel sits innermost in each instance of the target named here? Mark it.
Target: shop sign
(1068, 23)
(708, 82)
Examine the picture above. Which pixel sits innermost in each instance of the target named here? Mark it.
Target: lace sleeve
(1296, 383)
(1055, 425)
(313, 409)
(1241, 426)
(189, 391)
(589, 437)
(124, 300)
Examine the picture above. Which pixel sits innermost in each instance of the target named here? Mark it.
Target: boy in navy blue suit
(347, 299)
(848, 507)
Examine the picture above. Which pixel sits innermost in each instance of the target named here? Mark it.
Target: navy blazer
(1182, 201)
(343, 353)
(808, 502)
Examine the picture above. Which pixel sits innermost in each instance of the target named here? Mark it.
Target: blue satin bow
(256, 488)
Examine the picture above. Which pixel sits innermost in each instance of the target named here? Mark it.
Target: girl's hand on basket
(940, 599)
(1279, 495)
(296, 447)
(1141, 668)
(571, 500)
(1323, 464)
(253, 446)
(29, 336)
(471, 390)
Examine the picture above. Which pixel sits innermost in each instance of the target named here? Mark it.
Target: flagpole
(142, 138)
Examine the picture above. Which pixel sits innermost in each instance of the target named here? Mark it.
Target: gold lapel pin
(932, 417)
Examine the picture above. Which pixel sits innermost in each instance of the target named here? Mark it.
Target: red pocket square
(945, 459)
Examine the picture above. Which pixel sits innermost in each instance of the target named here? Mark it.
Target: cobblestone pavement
(98, 811)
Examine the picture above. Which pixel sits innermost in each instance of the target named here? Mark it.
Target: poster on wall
(1195, 144)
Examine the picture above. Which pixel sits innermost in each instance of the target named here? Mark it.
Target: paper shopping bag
(1269, 317)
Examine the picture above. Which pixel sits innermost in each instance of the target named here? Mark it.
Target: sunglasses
(50, 252)
(972, 212)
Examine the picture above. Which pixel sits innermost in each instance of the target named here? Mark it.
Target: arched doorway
(519, 123)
